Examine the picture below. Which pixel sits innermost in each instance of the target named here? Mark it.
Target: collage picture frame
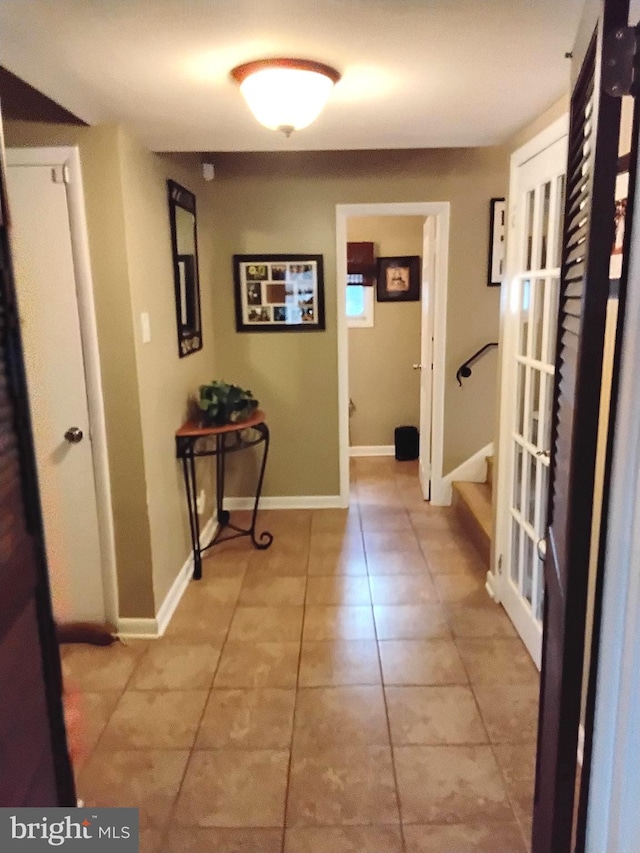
(279, 293)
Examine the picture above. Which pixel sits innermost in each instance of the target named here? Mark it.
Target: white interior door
(529, 339)
(426, 352)
(46, 287)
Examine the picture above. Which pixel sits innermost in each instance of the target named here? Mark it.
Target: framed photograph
(398, 279)
(620, 216)
(279, 293)
(497, 228)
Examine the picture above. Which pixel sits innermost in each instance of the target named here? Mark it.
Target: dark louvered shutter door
(588, 238)
(34, 762)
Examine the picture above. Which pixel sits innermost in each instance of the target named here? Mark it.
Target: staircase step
(490, 472)
(472, 502)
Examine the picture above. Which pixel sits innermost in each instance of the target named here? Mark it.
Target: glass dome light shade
(285, 94)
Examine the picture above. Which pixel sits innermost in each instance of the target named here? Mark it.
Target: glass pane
(515, 552)
(534, 407)
(550, 356)
(560, 225)
(529, 509)
(530, 203)
(537, 318)
(517, 476)
(355, 301)
(541, 525)
(525, 308)
(540, 607)
(544, 229)
(529, 557)
(520, 400)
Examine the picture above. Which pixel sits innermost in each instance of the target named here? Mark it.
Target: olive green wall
(381, 358)
(165, 381)
(145, 386)
(287, 203)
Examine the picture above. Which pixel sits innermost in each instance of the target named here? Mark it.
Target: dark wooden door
(34, 763)
(588, 238)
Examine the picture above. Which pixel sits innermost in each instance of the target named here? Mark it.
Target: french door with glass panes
(529, 349)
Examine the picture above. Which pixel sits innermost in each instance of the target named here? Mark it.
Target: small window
(359, 304)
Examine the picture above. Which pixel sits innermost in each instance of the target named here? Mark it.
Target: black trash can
(407, 441)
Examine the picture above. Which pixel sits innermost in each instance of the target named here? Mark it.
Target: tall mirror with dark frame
(184, 244)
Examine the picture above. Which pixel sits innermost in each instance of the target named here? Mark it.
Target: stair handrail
(464, 371)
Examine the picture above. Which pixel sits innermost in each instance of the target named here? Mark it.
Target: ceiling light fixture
(285, 94)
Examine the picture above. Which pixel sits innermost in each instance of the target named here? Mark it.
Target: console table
(193, 441)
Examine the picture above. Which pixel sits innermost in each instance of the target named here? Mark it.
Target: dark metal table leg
(222, 514)
(189, 471)
(265, 539)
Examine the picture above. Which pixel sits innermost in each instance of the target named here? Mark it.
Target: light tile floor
(352, 689)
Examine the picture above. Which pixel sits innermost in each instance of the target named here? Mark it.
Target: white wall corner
(372, 450)
(154, 628)
(474, 470)
(138, 629)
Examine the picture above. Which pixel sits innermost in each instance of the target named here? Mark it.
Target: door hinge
(620, 70)
(60, 175)
(500, 564)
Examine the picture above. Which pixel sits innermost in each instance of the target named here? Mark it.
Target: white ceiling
(416, 73)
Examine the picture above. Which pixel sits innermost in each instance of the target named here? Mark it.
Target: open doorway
(417, 383)
(384, 340)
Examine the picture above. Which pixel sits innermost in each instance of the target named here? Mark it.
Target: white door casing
(528, 367)
(426, 351)
(433, 346)
(50, 254)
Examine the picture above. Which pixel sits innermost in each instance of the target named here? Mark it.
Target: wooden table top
(195, 429)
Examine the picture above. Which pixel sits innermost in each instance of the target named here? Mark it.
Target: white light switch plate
(145, 323)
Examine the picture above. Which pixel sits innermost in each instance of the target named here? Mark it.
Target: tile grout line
(491, 744)
(386, 706)
(115, 707)
(297, 687)
(170, 820)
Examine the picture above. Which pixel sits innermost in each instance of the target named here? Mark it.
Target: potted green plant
(222, 403)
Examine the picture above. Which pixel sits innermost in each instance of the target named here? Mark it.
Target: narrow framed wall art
(497, 229)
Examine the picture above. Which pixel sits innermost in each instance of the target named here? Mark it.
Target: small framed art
(279, 293)
(398, 279)
(497, 228)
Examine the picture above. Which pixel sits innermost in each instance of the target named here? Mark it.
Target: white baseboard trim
(287, 502)
(491, 585)
(373, 450)
(154, 628)
(139, 629)
(474, 470)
